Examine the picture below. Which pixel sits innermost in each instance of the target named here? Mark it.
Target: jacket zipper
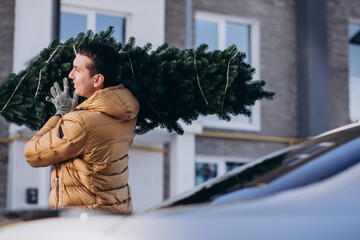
(56, 180)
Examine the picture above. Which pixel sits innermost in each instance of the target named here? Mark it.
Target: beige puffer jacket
(88, 150)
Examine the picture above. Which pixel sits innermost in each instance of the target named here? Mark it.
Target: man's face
(83, 83)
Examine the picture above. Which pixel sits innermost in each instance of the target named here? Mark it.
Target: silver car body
(326, 209)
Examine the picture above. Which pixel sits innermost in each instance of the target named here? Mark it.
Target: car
(306, 191)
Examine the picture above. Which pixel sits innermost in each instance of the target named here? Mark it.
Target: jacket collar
(116, 101)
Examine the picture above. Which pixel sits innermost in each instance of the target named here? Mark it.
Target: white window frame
(254, 24)
(91, 16)
(220, 161)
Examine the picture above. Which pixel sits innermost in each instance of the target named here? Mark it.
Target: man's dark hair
(105, 61)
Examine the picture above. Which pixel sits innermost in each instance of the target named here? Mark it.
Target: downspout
(55, 19)
(188, 24)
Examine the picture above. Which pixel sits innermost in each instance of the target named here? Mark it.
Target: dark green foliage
(170, 84)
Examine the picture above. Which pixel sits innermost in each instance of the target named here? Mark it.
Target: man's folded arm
(56, 142)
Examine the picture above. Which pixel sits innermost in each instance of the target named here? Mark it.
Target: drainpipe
(188, 24)
(56, 19)
(313, 65)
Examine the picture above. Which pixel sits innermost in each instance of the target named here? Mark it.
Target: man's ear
(99, 81)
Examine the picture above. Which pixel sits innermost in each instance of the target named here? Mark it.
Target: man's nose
(70, 74)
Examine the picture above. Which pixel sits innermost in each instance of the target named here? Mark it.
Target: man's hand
(61, 99)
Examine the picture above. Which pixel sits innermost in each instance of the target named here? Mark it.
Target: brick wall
(6, 49)
(175, 23)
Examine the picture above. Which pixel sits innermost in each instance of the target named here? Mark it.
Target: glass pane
(104, 21)
(71, 25)
(204, 172)
(354, 60)
(239, 34)
(353, 29)
(354, 50)
(354, 96)
(354, 71)
(231, 165)
(333, 154)
(206, 32)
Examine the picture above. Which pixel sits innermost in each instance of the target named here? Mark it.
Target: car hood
(326, 210)
(69, 225)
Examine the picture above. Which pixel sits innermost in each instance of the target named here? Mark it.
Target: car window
(302, 164)
(322, 167)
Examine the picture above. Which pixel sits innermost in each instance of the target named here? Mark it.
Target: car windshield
(299, 165)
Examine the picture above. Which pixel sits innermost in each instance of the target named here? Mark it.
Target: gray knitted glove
(61, 99)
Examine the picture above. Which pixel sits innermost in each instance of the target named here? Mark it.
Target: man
(88, 145)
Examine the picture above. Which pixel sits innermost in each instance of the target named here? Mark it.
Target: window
(71, 25)
(354, 71)
(208, 167)
(235, 33)
(219, 32)
(204, 172)
(75, 20)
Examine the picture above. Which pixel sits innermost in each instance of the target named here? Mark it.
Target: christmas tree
(170, 84)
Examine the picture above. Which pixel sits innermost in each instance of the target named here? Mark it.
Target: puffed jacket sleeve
(57, 141)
